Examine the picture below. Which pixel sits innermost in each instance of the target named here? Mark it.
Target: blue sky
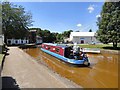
(62, 16)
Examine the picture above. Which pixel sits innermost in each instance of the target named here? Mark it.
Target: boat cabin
(63, 50)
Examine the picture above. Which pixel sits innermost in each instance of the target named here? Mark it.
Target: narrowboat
(65, 53)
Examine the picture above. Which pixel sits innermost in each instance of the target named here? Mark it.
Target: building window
(9, 42)
(81, 38)
(16, 41)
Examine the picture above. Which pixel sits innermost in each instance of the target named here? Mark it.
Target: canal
(102, 73)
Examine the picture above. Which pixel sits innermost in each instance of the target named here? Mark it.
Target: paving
(21, 71)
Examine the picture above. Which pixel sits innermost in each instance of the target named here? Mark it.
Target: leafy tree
(60, 37)
(66, 34)
(49, 37)
(52, 38)
(46, 35)
(38, 30)
(15, 21)
(109, 24)
(90, 30)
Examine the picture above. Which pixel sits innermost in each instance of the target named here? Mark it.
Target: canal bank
(29, 74)
(102, 73)
(2, 57)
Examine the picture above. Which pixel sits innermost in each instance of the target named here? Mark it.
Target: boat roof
(50, 44)
(59, 45)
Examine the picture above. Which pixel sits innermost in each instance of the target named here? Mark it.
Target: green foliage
(49, 37)
(109, 24)
(1, 58)
(15, 21)
(66, 34)
(46, 35)
(60, 37)
(94, 46)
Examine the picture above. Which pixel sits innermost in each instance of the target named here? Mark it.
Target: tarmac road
(27, 73)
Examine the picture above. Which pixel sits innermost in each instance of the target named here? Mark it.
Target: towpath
(27, 73)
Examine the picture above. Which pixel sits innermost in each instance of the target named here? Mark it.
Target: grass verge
(101, 46)
(1, 58)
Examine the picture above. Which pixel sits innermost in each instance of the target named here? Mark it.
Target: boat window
(48, 47)
(16, 41)
(57, 50)
(68, 52)
(9, 42)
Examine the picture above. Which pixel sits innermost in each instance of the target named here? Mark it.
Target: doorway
(82, 41)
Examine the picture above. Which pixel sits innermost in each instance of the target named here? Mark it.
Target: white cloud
(91, 8)
(79, 25)
(97, 16)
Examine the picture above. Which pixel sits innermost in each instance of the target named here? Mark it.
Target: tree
(15, 21)
(66, 34)
(59, 37)
(109, 24)
(77, 31)
(49, 37)
(46, 35)
(90, 30)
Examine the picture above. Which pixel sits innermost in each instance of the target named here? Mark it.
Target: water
(102, 73)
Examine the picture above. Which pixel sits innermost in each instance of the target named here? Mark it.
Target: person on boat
(81, 55)
(76, 50)
(81, 49)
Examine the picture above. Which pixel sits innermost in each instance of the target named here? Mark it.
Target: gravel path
(22, 69)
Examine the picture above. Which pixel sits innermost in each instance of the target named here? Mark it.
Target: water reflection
(102, 73)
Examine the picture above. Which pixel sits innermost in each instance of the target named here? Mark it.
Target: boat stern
(84, 61)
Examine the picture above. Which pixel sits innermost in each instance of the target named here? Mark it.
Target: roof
(32, 30)
(59, 45)
(38, 36)
(63, 46)
(82, 34)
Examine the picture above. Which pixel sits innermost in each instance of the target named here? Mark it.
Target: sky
(63, 16)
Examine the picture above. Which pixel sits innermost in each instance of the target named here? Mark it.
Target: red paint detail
(59, 50)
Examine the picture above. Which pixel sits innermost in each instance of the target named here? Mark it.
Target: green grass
(1, 58)
(101, 46)
(94, 46)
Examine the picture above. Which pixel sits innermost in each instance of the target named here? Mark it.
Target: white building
(66, 40)
(83, 37)
(1, 39)
(17, 41)
(1, 43)
(38, 40)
